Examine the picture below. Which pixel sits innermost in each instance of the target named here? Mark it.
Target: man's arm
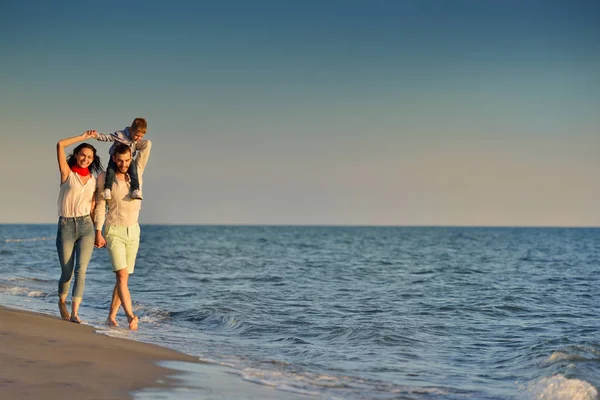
(143, 147)
(100, 211)
(93, 209)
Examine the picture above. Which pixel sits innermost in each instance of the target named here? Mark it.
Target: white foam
(291, 381)
(336, 387)
(116, 332)
(558, 387)
(559, 356)
(30, 239)
(423, 390)
(150, 314)
(279, 380)
(207, 360)
(14, 290)
(36, 293)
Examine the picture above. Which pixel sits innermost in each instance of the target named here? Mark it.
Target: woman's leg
(84, 247)
(65, 246)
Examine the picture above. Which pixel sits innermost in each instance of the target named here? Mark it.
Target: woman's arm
(63, 167)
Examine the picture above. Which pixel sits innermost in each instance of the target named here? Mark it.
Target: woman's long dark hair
(95, 166)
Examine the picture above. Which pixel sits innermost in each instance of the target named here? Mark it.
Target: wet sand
(43, 357)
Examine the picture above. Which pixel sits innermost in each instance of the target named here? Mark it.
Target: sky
(313, 112)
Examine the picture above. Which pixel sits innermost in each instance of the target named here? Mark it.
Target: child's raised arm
(103, 137)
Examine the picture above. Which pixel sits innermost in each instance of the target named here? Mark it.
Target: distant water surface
(352, 312)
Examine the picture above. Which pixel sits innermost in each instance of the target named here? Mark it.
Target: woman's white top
(75, 197)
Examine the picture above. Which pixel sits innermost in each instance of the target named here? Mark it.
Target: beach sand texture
(44, 357)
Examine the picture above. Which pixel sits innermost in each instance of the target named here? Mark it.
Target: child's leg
(133, 176)
(110, 174)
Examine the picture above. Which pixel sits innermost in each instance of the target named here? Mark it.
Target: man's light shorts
(122, 243)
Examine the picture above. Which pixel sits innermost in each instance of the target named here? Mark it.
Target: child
(129, 136)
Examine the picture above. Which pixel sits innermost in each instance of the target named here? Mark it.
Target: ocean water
(352, 312)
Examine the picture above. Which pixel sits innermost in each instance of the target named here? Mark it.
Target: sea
(423, 313)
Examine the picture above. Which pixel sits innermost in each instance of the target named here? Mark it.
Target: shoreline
(42, 356)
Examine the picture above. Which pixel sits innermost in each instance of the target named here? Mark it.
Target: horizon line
(339, 225)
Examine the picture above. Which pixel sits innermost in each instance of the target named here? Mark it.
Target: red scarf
(81, 171)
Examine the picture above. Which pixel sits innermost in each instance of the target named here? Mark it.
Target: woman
(76, 201)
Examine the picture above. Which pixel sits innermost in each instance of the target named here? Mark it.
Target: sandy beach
(42, 356)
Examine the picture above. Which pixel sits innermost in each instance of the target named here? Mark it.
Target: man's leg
(115, 243)
(133, 244)
(125, 297)
(121, 241)
(114, 308)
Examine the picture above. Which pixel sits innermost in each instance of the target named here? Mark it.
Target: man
(122, 230)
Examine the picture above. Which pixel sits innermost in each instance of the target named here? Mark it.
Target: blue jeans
(75, 244)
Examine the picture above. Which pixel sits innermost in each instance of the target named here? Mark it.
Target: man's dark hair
(122, 148)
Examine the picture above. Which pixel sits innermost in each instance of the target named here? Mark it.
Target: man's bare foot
(112, 322)
(133, 323)
(64, 311)
(75, 318)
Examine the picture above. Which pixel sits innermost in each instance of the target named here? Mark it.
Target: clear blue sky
(411, 112)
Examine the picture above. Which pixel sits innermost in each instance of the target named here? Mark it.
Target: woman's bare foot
(75, 318)
(133, 323)
(64, 311)
(112, 322)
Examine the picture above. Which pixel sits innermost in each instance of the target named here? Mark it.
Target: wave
(338, 386)
(315, 385)
(36, 239)
(225, 322)
(150, 314)
(20, 286)
(37, 293)
(559, 356)
(214, 320)
(14, 290)
(346, 334)
(572, 354)
(249, 278)
(27, 279)
(559, 387)
(362, 335)
(290, 340)
(21, 291)
(277, 380)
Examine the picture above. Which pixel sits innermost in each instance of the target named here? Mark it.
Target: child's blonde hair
(139, 125)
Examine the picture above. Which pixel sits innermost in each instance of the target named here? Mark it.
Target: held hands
(99, 241)
(90, 134)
